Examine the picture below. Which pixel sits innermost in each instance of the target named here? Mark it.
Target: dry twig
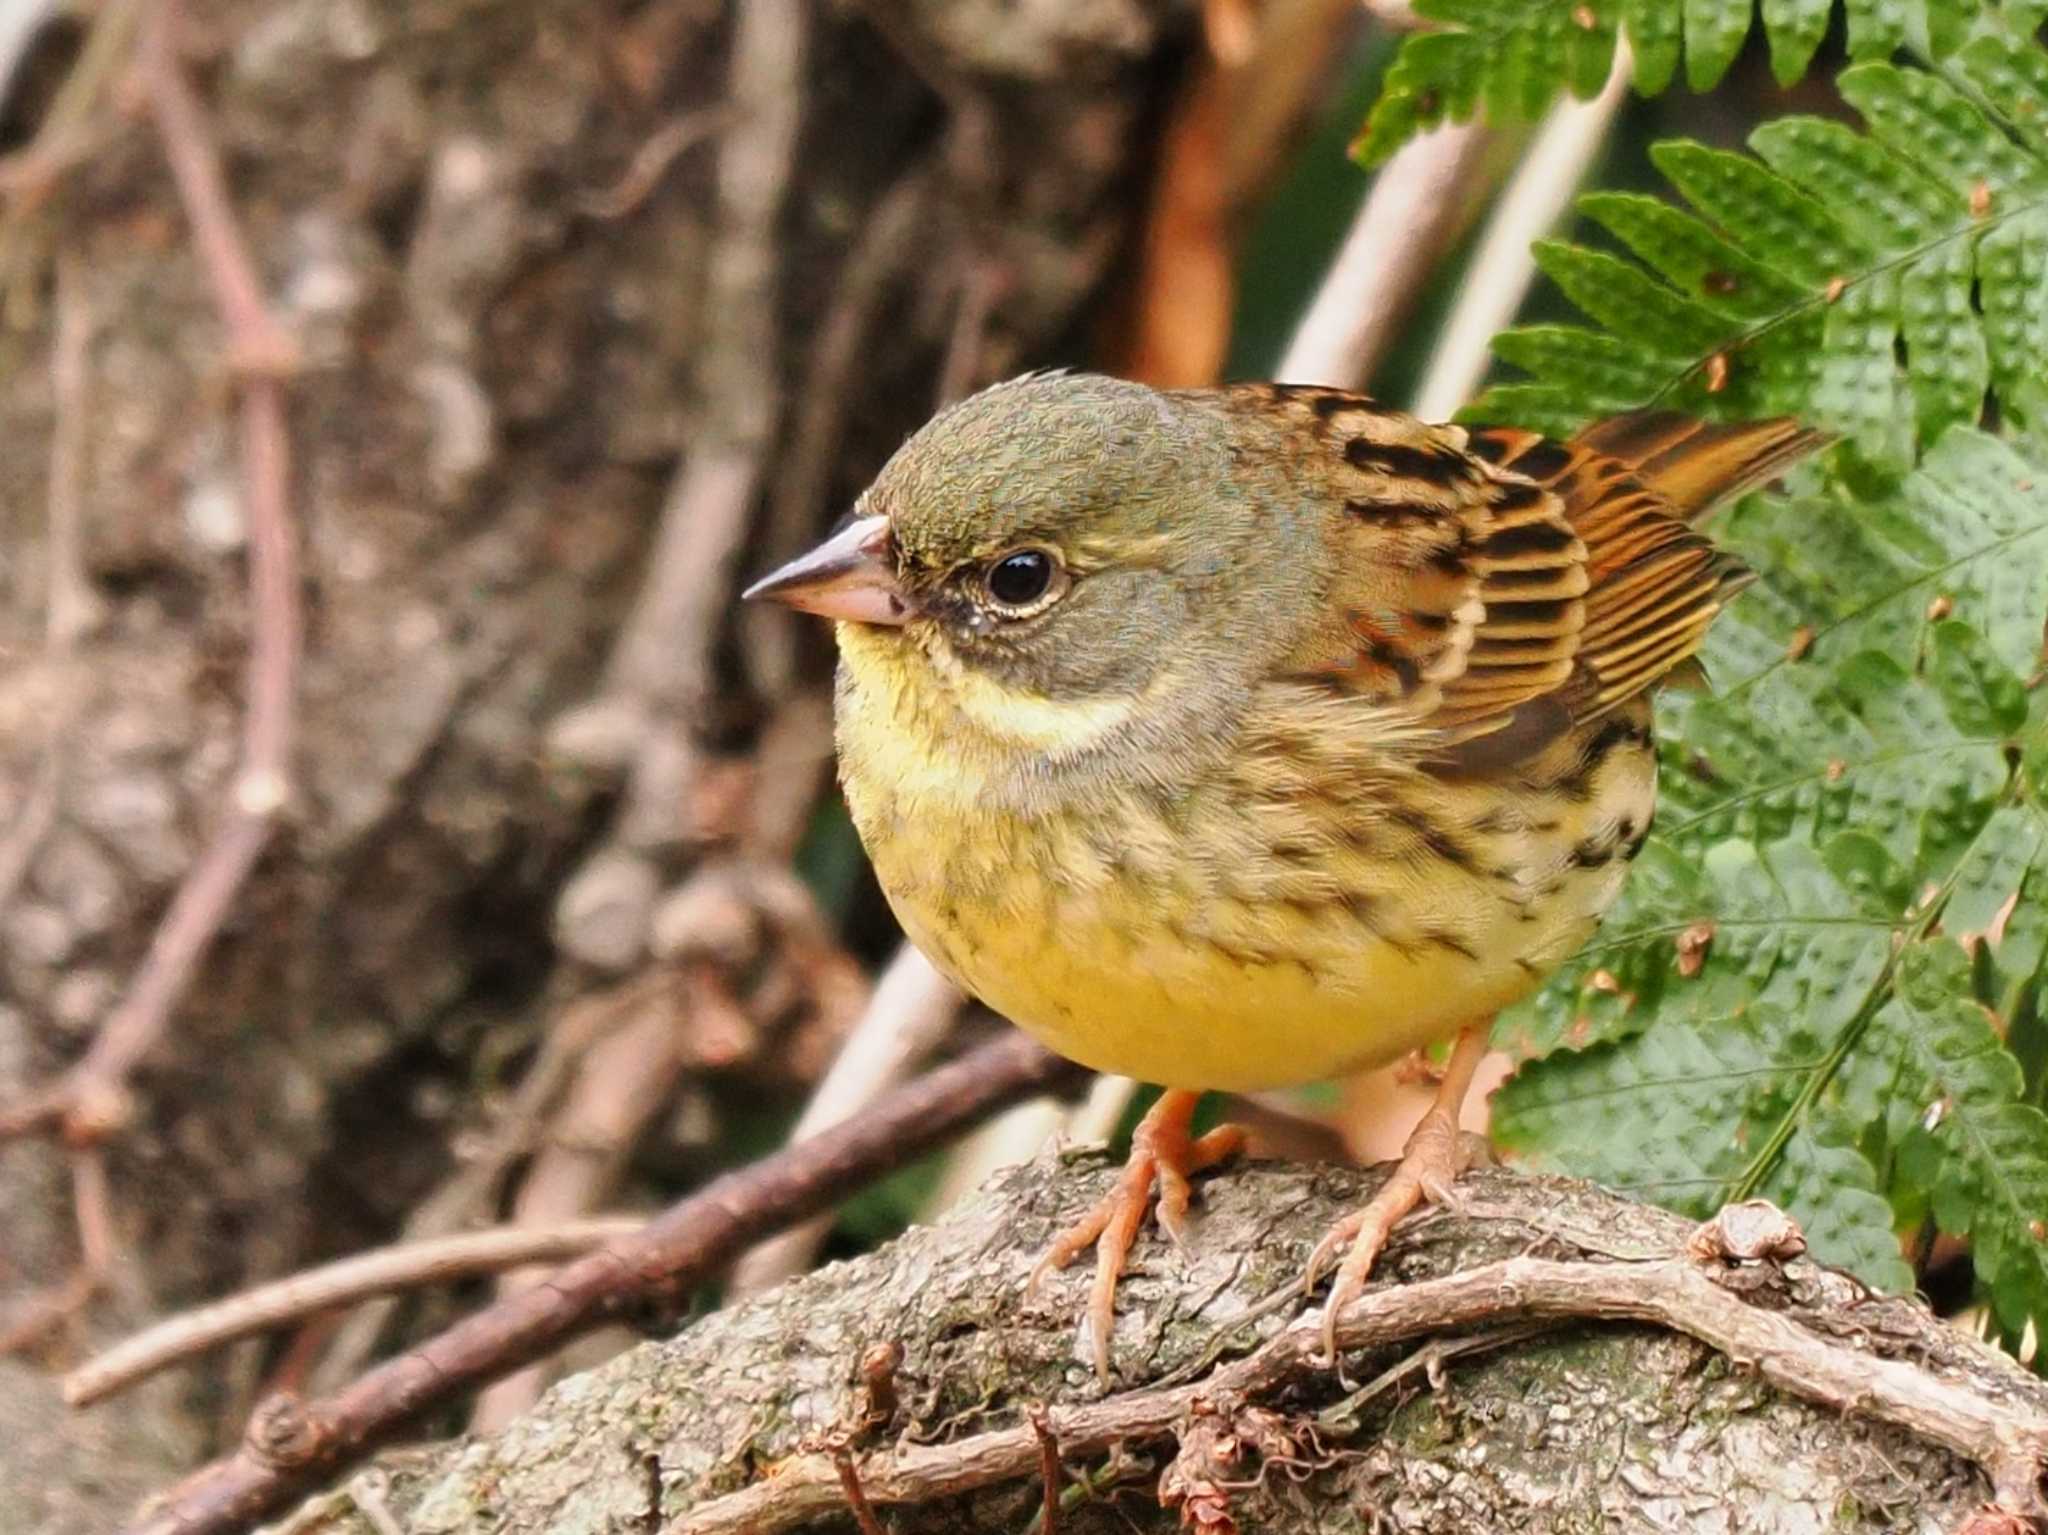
(476, 1186)
(660, 666)
(856, 1496)
(66, 135)
(68, 602)
(1412, 213)
(881, 255)
(89, 1101)
(909, 1015)
(294, 1446)
(1674, 1292)
(92, 1211)
(386, 1270)
(651, 162)
(1551, 169)
(620, 1087)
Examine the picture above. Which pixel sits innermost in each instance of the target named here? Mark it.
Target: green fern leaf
(1981, 1152)
(1514, 56)
(1692, 258)
(1795, 29)
(1744, 1023)
(1881, 284)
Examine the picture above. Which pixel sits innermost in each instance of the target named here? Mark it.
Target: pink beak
(850, 576)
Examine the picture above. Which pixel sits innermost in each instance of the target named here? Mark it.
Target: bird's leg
(1162, 1153)
(1429, 1163)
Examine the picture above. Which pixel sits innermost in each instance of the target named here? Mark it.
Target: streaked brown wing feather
(1502, 587)
(1695, 465)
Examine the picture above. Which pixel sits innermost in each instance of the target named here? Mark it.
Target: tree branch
(292, 1446)
(403, 1266)
(1543, 1329)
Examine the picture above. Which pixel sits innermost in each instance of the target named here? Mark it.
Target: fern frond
(1876, 283)
(1781, 997)
(1513, 57)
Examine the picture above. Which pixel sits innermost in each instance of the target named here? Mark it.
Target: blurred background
(396, 813)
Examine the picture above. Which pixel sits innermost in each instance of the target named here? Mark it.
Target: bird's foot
(1163, 1155)
(1434, 1156)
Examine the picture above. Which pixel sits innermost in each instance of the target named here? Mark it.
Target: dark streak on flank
(1450, 559)
(1618, 731)
(1434, 837)
(1593, 853)
(1362, 909)
(1596, 851)
(1444, 938)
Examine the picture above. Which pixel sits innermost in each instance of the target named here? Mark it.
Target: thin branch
(1412, 214)
(90, 1100)
(1552, 167)
(652, 159)
(68, 133)
(1674, 1292)
(981, 284)
(1049, 1477)
(388, 1270)
(883, 253)
(20, 24)
(476, 1187)
(691, 1241)
(620, 1086)
(908, 1017)
(1096, 1117)
(92, 1213)
(856, 1496)
(662, 659)
(68, 603)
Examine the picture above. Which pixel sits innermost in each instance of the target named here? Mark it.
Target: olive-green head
(1069, 535)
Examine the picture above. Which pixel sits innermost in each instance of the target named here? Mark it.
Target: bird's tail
(1695, 465)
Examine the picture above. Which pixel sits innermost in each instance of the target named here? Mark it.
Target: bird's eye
(1023, 578)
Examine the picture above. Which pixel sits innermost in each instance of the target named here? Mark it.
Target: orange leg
(1427, 1167)
(1162, 1152)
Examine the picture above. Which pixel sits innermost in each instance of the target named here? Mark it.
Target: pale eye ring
(1024, 580)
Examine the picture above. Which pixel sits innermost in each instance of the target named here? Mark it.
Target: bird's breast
(1296, 912)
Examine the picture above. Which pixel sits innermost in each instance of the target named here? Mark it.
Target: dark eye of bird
(1019, 579)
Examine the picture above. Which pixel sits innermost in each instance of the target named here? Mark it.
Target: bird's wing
(1500, 588)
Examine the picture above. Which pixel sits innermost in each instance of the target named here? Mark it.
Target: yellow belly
(1181, 950)
(1145, 1002)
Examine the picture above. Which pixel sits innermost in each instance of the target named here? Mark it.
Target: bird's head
(1056, 540)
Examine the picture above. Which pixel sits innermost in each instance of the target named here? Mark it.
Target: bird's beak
(850, 575)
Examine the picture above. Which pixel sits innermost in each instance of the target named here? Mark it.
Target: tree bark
(1522, 1423)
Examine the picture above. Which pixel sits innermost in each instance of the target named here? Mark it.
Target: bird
(1240, 738)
